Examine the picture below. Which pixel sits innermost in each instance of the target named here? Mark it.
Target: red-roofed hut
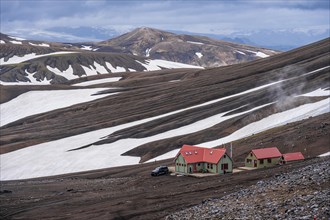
(264, 157)
(290, 157)
(192, 159)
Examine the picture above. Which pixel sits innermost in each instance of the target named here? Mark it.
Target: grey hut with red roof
(264, 157)
(193, 159)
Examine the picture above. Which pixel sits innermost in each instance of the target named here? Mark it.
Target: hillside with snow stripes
(147, 116)
(60, 67)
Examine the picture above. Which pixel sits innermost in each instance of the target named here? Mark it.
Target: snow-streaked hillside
(55, 157)
(59, 67)
(150, 117)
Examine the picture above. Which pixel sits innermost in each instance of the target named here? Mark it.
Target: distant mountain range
(144, 49)
(283, 40)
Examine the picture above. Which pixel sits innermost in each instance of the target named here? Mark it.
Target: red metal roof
(293, 156)
(263, 153)
(193, 154)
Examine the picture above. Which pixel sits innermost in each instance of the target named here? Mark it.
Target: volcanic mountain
(194, 50)
(97, 122)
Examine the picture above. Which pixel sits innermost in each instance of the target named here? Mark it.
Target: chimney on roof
(211, 152)
(195, 151)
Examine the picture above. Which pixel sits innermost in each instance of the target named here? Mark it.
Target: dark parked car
(160, 171)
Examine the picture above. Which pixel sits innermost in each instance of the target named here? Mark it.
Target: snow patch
(16, 59)
(15, 42)
(131, 70)
(99, 68)
(165, 156)
(325, 154)
(261, 54)
(151, 65)
(34, 81)
(17, 38)
(118, 69)
(36, 102)
(2, 42)
(193, 42)
(148, 52)
(318, 92)
(240, 52)
(40, 45)
(258, 54)
(98, 81)
(199, 54)
(83, 47)
(90, 71)
(68, 73)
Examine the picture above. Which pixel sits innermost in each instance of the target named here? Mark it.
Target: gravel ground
(300, 194)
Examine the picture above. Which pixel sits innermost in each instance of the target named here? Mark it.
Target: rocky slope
(195, 50)
(300, 194)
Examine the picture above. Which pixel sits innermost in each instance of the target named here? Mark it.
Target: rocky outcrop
(300, 194)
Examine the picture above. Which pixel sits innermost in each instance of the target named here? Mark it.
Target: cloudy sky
(81, 20)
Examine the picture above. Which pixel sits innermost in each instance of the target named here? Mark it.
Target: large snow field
(53, 157)
(35, 102)
(17, 59)
(275, 120)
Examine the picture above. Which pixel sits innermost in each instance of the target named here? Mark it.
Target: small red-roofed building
(290, 157)
(193, 159)
(264, 157)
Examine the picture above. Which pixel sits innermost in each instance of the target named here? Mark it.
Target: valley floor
(131, 193)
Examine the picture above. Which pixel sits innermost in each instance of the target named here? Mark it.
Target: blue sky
(72, 20)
